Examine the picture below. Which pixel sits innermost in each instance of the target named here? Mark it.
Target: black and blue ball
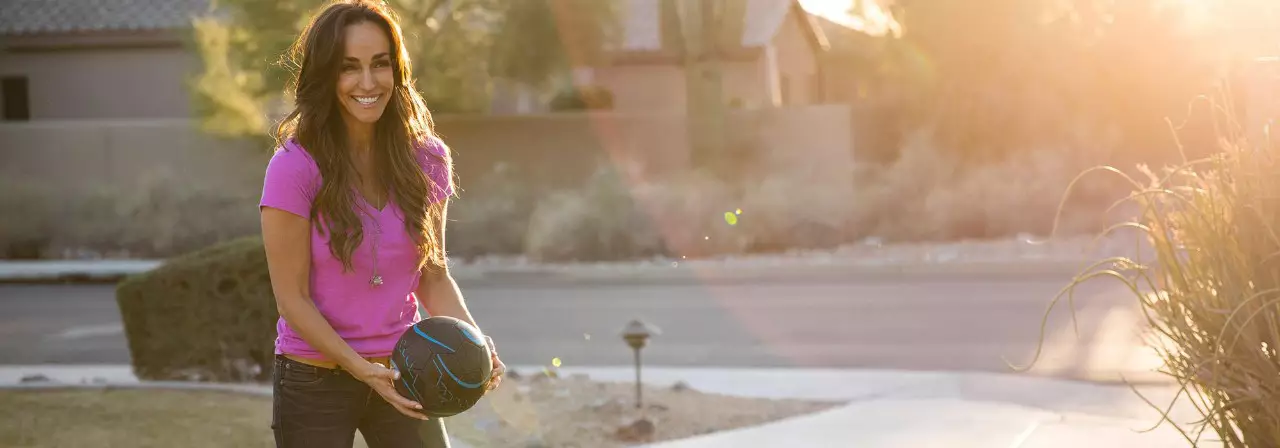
(444, 365)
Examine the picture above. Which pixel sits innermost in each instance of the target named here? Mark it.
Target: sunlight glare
(870, 17)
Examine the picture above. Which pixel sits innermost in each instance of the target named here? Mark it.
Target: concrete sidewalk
(882, 408)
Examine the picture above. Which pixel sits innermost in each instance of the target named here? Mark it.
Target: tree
(241, 87)
(1008, 75)
(539, 40)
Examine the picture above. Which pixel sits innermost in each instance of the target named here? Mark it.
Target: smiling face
(366, 79)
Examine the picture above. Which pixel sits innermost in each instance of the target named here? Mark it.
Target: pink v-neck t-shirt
(369, 318)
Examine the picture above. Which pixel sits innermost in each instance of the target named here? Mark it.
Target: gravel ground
(541, 410)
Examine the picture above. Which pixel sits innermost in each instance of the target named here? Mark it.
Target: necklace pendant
(376, 280)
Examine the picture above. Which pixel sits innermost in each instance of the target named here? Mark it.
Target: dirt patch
(550, 411)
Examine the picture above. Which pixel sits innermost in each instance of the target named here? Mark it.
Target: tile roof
(62, 16)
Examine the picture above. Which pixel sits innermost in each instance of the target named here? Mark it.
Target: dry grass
(540, 410)
(133, 418)
(926, 195)
(1212, 294)
(160, 215)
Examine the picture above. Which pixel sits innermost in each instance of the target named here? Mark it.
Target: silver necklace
(375, 279)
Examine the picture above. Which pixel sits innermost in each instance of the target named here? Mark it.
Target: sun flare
(870, 16)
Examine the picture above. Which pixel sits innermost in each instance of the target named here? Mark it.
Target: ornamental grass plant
(1211, 290)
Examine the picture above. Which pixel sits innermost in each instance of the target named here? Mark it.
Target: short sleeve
(291, 182)
(436, 163)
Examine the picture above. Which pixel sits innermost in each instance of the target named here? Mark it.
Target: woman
(353, 210)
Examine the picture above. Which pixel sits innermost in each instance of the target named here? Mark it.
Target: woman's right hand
(382, 380)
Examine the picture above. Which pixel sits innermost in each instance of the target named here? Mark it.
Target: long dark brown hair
(403, 130)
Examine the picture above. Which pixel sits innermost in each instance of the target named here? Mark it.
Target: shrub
(688, 212)
(1212, 292)
(577, 98)
(612, 218)
(159, 216)
(930, 194)
(490, 217)
(25, 217)
(787, 211)
(208, 315)
(596, 222)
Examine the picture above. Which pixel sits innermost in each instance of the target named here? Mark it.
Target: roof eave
(66, 40)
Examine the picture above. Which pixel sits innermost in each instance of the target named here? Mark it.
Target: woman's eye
(347, 68)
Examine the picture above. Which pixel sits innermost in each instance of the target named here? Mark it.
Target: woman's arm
(287, 239)
(439, 294)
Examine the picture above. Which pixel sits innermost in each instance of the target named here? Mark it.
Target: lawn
(134, 418)
(552, 412)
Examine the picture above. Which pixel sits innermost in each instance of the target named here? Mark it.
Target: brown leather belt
(384, 360)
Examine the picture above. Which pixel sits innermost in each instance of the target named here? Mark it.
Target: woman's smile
(367, 101)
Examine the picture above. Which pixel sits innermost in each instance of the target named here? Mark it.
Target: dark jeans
(316, 407)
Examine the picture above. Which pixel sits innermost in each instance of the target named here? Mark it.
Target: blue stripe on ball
(429, 338)
(472, 336)
(404, 381)
(440, 363)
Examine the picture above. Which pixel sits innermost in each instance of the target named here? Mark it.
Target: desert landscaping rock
(543, 410)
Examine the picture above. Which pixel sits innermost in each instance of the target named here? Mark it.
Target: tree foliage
(992, 76)
(457, 48)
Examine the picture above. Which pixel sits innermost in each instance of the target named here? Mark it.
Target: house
(92, 59)
(127, 59)
(771, 58)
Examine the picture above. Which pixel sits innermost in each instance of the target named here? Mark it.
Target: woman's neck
(360, 139)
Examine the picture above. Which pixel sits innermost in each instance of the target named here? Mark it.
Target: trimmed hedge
(208, 315)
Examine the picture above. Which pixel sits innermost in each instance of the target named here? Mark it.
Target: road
(920, 323)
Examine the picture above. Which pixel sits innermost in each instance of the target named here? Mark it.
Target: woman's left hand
(499, 369)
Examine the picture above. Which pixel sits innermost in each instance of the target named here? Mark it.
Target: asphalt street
(920, 323)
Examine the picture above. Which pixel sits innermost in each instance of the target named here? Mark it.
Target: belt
(384, 360)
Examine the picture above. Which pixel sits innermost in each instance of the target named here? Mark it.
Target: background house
(127, 59)
(78, 59)
(772, 62)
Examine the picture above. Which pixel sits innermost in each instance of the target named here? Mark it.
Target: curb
(691, 272)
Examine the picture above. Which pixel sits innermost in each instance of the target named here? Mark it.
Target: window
(17, 105)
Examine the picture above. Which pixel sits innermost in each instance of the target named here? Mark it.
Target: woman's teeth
(366, 100)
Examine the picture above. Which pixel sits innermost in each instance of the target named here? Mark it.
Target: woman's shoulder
(291, 156)
(292, 151)
(432, 148)
(291, 161)
(433, 156)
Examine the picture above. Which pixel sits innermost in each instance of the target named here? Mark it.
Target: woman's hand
(499, 369)
(382, 380)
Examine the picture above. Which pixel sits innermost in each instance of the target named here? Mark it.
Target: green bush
(208, 315)
(576, 98)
